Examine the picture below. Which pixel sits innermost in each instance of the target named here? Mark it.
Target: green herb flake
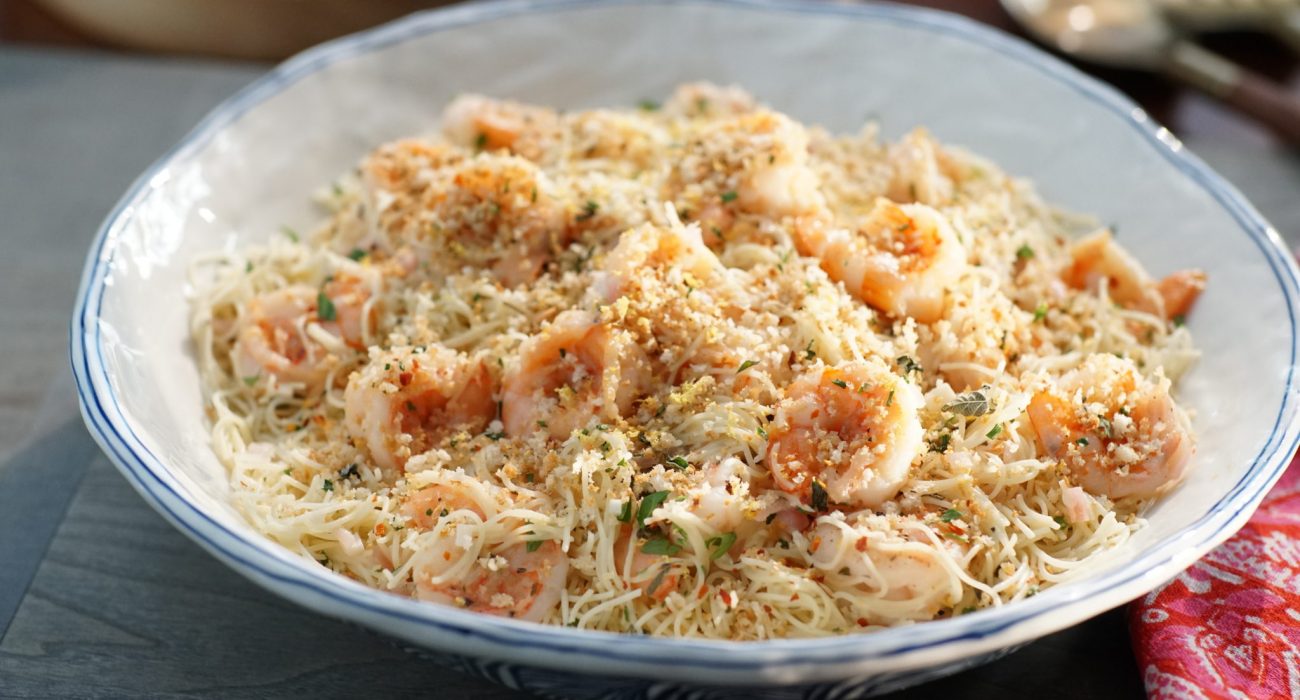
(325, 310)
(996, 431)
(940, 444)
(745, 365)
(480, 142)
(1040, 313)
(840, 383)
(250, 381)
(1060, 521)
(907, 364)
(648, 105)
(327, 485)
(728, 196)
(649, 503)
(970, 404)
(1024, 252)
(820, 499)
(889, 401)
(1082, 441)
(534, 545)
(494, 436)
(808, 352)
(588, 211)
(1179, 321)
(721, 544)
(289, 233)
(660, 545)
(357, 254)
(950, 515)
(679, 462)
(625, 515)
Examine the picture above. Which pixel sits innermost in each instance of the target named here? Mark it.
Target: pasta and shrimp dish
(692, 369)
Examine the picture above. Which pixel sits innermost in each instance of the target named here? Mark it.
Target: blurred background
(270, 30)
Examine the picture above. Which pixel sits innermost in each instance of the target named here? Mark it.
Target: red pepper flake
(381, 529)
(404, 378)
(704, 590)
(861, 544)
(794, 597)
(815, 544)
(726, 597)
(862, 622)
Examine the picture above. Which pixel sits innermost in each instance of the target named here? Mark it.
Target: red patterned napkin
(1229, 627)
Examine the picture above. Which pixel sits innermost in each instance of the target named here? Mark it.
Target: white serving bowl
(251, 165)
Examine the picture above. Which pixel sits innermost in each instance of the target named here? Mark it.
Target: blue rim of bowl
(996, 626)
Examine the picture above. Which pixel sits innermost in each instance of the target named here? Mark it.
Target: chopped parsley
(679, 462)
(745, 365)
(588, 211)
(728, 196)
(625, 515)
(647, 105)
(1179, 321)
(907, 364)
(660, 545)
(649, 503)
(1060, 521)
(1082, 441)
(494, 436)
(820, 499)
(357, 254)
(1040, 313)
(940, 444)
(720, 544)
(250, 381)
(889, 401)
(996, 431)
(950, 515)
(534, 545)
(480, 142)
(840, 383)
(325, 310)
(970, 404)
(327, 485)
(349, 472)
(808, 352)
(1104, 424)
(1024, 252)
(290, 233)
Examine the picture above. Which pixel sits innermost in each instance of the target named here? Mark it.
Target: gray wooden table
(101, 598)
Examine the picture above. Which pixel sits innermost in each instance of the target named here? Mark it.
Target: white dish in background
(252, 164)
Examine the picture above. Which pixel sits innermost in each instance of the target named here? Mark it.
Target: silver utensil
(1280, 18)
(1134, 34)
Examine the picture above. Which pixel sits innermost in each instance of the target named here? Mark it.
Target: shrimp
(850, 431)
(708, 100)
(276, 337)
(576, 370)
(1097, 258)
(485, 124)
(901, 569)
(649, 247)
(899, 260)
(1118, 433)
(520, 580)
(753, 164)
(406, 401)
(656, 575)
(919, 171)
(514, 582)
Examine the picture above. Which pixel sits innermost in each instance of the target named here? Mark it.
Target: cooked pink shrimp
(899, 260)
(1118, 433)
(901, 568)
(654, 574)
(274, 338)
(486, 124)
(406, 401)
(708, 100)
(1097, 258)
(850, 431)
(919, 171)
(649, 247)
(575, 371)
(496, 212)
(523, 581)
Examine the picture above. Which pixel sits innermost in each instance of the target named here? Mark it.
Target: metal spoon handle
(1247, 92)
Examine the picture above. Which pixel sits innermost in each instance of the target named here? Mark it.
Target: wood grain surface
(99, 597)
